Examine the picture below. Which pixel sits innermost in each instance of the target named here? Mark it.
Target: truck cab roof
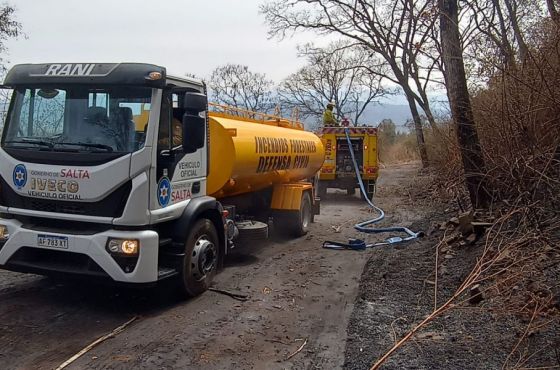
(137, 74)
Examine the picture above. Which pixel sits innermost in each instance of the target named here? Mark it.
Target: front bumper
(85, 255)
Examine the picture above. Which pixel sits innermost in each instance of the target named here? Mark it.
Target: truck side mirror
(195, 102)
(194, 126)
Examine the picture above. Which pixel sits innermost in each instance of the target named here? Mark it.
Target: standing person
(328, 116)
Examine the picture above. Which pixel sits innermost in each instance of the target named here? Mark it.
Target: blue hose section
(364, 227)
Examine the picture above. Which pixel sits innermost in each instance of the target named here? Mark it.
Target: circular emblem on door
(164, 191)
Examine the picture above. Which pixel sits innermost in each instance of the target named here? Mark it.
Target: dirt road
(299, 294)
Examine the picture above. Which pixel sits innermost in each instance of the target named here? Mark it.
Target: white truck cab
(103, 174)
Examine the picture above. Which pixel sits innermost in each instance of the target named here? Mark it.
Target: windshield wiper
(31, 141)
(90, 145)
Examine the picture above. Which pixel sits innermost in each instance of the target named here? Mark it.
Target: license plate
(52, 241)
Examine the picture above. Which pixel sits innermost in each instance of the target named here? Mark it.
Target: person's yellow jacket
(328, 118)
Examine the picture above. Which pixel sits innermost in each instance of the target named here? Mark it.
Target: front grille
(48, 225)
(110, 206)
(56, 206)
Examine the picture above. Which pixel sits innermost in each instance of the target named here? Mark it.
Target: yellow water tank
(248, 155)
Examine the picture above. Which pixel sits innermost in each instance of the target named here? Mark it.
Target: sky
(185, 36)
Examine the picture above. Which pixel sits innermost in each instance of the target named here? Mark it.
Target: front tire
(322, 190)
(200, 262)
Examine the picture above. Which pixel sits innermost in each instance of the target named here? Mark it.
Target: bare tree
(501, 25)
(9, 28)
(471, 152)
(235, 85)
(333, 74)
(395, 30)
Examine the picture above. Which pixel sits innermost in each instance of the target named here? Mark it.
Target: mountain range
(375, 113)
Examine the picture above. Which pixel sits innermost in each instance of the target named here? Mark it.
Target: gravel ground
(299, 293)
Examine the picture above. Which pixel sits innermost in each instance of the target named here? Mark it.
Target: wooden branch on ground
(297, 351)
(95, 343)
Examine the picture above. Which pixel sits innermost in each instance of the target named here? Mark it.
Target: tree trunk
(418, 129)
(553, 12)
(471, 152)
(425, 105)
(523, 49)
(506, 47)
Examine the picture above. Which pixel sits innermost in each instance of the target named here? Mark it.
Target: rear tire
(295, 223)
(369, 192)
(200, 262)
(322, 190)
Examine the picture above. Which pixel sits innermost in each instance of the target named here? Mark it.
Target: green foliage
(387, 131)
(395, 146)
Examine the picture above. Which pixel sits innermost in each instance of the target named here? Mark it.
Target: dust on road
(298, 292)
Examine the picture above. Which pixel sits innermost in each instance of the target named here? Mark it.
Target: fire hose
(366, 226)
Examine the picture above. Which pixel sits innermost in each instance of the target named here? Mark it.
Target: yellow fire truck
(338, 170)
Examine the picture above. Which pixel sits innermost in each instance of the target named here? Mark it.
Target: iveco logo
(70, 69)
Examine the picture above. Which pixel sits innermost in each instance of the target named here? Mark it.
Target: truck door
(181, 176)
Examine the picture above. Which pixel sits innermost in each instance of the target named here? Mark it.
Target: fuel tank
(249, 155)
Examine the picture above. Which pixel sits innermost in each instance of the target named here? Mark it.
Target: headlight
(123, 247)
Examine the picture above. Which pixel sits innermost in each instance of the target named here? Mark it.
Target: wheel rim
(305, 215)
(204, 258)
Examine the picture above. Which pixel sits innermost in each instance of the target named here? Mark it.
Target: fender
(207, 207)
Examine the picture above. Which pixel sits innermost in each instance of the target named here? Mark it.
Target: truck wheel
(296, 223)
(350, 191)
(370, 190)
(322, 190)
(201, 258)
(306, 214)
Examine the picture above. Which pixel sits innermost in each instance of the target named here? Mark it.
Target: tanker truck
(120, 172)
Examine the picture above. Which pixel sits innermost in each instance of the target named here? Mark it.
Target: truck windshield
(78, 119)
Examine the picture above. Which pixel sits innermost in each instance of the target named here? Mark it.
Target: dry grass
(518, 121)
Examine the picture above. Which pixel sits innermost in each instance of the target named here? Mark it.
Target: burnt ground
(299, 295)
(397, 292)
